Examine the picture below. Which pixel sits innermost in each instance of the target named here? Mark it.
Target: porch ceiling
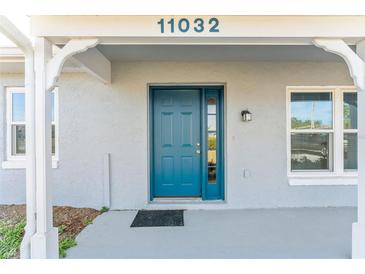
(216, 53)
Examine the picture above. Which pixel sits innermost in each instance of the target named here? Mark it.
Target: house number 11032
(184, 25)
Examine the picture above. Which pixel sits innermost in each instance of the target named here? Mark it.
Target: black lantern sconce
(246, 116)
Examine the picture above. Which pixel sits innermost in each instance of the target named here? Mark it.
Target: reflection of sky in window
(318, 110)
(212, 123)
(211, 109)
(212, 105)
(18, 107)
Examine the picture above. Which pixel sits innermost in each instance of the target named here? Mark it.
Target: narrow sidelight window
(212, 140)
(213, 144)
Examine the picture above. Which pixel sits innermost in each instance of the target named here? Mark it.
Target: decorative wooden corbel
(355, 64)
(54, 66)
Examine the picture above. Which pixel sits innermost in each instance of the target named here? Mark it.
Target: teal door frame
(211, 191)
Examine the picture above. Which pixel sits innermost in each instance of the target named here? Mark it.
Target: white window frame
(19, 161)
(9, 123)
(337, 175)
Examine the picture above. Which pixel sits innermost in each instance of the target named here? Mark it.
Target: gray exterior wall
(12, 181)
(96, 119)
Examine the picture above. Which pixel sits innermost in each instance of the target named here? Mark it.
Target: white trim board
(68, 26)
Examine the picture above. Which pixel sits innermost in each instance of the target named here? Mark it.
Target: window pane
(212, 106)
(53, 139)
(212, 175)
(212, 141)
(350, 150)
(212, 146)
(350, 110)
(18, 139)
(212, 157)
(310, 151)
(52, 104)
(212, 123)
(311, 110)
(18, 107)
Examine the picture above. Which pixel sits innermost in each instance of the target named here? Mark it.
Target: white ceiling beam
(94, 63)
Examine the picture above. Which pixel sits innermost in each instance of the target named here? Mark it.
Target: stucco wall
(12, 182)
(96, 119)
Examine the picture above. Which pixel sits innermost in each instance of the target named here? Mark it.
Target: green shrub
(65, 244)
(61, 229)
(104, 209)
(10, 239)
(88, 221)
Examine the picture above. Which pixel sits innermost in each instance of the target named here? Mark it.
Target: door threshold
(170, 200)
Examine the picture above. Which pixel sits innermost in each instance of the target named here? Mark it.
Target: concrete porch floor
(261, 233)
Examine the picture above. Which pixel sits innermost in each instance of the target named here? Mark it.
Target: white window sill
(21, 164)
(349, 179)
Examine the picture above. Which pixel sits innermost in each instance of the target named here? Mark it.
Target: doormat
(152, 218)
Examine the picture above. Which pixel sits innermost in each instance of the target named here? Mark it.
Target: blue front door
(176, 142)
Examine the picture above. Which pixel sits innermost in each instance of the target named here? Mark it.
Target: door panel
(176, 133)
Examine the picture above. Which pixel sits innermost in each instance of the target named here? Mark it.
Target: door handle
(197, 151)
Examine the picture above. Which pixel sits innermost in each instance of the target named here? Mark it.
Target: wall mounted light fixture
(246, 115)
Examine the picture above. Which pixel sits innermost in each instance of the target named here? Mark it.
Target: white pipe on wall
(13, 34)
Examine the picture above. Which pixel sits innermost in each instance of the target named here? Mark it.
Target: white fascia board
(11, 52)
(11, 60)
(280, 27)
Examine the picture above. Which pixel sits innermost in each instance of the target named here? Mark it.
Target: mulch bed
(73, 220)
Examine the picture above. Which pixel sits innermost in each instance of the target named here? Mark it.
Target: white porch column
(25, 250)
(11, 32)
(355, 62)
(358, 229)
(44, 244)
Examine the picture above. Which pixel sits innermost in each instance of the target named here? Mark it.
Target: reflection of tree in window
(350, 110)
(212, 143)
(310, 151)
(299, 124)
